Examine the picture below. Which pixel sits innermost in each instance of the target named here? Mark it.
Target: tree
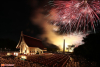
(90, 48)
(52, 48)
(7, 44)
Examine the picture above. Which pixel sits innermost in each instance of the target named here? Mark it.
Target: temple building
(30, 45)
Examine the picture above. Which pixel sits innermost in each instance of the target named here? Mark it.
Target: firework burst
(76, 15)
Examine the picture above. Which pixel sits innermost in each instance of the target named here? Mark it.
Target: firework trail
(76, 15)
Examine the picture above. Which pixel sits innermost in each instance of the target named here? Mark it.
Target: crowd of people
(50, 60)
(54, 60)
(79, 61)
(18, 63)
(3, 54)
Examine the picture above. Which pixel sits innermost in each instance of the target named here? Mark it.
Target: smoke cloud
(41, 18)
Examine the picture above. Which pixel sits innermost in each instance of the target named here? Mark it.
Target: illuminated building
(29, 45)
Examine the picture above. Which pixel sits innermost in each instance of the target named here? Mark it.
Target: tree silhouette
(7, 44)
(90, 48)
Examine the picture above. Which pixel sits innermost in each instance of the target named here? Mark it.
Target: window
(37, 52)
(25, 51)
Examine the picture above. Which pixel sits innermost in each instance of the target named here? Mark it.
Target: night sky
(15, 17)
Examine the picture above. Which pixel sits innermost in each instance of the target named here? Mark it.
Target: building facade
(30, 45)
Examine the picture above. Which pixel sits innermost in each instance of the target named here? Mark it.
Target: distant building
(30, 45)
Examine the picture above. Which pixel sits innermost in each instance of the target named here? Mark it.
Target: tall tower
(64, 46)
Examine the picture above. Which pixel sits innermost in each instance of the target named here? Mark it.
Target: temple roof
(31, 42)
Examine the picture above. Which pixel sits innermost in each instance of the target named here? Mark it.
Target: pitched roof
(33, 42)
(30, 41)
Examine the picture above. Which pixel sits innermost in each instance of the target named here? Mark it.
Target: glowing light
(16, 54)
(24, 53)
(55, 28)
(70, 39)
(8, 54)
(24, 57)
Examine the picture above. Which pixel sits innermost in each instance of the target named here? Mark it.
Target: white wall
(24, 47)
